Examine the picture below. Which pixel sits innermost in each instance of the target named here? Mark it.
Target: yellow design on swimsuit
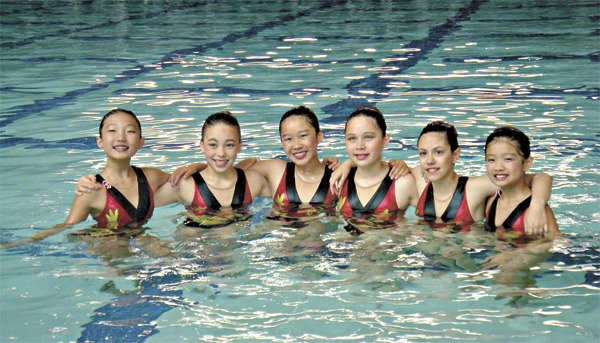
(340, 203)
(112, 217)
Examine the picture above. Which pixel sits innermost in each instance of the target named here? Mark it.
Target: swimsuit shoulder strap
(144, 197)
(290, 183)
(490, 220)
(239, 192)
(429, 207)
(321, 192)
(209, 199)
(457, 198)
(516, 213)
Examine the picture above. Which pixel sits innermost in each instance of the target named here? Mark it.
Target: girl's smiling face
(435, 156)
(364, 141)
(221, 145)
(504, 162)
(120, 136)
(299, 139)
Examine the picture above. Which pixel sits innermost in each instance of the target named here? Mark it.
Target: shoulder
(155, 176)
(270, 163)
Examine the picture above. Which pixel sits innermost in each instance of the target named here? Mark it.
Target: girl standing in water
(369, 198)
(125, 201)
(212, 195)
(507, 159)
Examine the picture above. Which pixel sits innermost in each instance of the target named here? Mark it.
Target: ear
(142, 142)
(320, 137)
(455, 155)
(99, 142)
(386, 141)
(527, 164)
(202, 147)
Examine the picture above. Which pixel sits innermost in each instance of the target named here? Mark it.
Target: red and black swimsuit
(514, 223)
(288, 207)
(380, 212)
(118, 212)
(205, 208)
(457, 210)
(287, 195)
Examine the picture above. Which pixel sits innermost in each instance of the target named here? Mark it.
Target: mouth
(220, 163)
(500, 177)
(121, 147)
(361, 157)
(299, 155)
(432, 170)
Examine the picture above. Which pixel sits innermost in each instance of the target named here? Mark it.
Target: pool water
(476, 64)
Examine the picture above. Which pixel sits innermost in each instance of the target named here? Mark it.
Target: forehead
(120, 118)
(362, 124)
(295, 123)
(221, 130)
(503, 145)
(434, 139)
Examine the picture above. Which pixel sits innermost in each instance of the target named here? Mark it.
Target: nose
(498, 165)
(360, 144)
(429, 159)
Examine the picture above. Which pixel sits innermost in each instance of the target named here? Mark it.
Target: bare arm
(80, 209)
(536, 218)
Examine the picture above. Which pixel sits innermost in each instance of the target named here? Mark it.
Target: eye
(439, 152)
(230, 145)
(212, 145)
(422, 153)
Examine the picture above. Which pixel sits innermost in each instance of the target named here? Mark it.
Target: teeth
(121, 148)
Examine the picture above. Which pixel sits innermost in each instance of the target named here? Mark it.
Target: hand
(331, 163)
(185, 173)
(246, 164)
(399, 169)
(339, 176)
(495, 261)
(87, 184)
(536, 220)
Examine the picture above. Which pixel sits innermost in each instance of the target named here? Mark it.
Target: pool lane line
(39, 106)
(420, 49)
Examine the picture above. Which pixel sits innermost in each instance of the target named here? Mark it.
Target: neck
(447, 184)
(313, 167)
(515, 192)
(214, 176)
(118, 169)
(372, 170)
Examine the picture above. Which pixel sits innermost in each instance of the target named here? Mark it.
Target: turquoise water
(477, 64)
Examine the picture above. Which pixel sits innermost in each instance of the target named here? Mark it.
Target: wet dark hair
(119, 110)
(301, 111)
(513, 134)
(442, 127)
(370, 112)
(224, 117)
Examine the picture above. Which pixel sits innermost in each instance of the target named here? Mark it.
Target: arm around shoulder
(259, 187)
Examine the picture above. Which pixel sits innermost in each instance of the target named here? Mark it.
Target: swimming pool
(477, 64)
